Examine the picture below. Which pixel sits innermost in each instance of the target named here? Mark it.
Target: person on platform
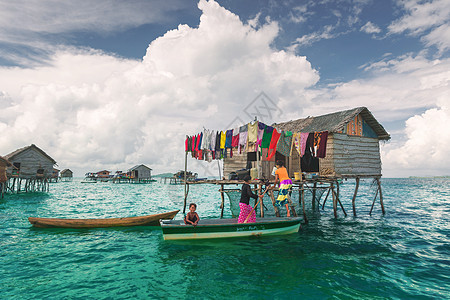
(281, 176)
(192, 217)
(245, 207)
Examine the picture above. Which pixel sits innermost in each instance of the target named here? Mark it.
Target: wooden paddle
(260, 198)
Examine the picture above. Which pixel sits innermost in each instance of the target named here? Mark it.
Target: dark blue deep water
(402, 255)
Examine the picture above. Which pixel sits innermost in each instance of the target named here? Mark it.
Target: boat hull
(229, 228)
(150, 220)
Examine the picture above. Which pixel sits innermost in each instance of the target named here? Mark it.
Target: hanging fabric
(229, 138)
(303, 140)
(273, 144)
(285, 143)
(259, 137)
(223, 137)
(252, 132)
(242, 141)
(267, 137)
(322, 144)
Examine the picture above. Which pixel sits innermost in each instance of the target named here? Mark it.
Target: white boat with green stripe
(228, 228)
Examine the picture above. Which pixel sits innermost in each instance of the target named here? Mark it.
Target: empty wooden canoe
(150, 220)
(227, 228)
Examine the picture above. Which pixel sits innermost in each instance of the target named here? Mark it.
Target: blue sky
(116, 78)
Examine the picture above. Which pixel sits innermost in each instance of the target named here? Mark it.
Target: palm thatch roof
(4, 162)
(334, 122)
(11, 155)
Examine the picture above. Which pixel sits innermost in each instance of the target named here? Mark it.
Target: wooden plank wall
(353, 155)
(237, 162)
(30, 161)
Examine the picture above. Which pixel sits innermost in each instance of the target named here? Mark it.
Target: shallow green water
(404, 254)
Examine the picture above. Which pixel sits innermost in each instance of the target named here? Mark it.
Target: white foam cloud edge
(91, 111)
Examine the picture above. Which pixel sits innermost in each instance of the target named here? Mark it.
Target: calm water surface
(403, 254)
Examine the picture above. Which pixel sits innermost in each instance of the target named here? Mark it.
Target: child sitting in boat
(192, 217)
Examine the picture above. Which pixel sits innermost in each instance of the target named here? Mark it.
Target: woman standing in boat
(281, 176)
(246, 208)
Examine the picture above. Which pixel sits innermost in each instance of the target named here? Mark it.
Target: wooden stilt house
(4, 164)
(30, 171)
(352, 147)
(66, 175)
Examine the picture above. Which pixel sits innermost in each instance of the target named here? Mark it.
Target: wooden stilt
(272, 197)
(354, 196)
(340, 203)
(291, 206)
(313, 203)
(333, 194)
(303, 204)
(381, 196)
(373, 203)
(326, 197)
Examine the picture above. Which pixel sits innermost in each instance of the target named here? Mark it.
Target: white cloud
(90, 110)
(369, 27)
(428, 19)
(426, 152)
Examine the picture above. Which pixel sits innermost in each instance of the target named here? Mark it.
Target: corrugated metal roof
(334, 122)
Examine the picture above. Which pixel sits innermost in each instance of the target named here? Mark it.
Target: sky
(109, 84)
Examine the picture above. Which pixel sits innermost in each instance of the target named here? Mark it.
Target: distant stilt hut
(66, 175)
(30, 171)
(55, 175)
(4, 163)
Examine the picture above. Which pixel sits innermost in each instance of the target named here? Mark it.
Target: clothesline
(212, 145)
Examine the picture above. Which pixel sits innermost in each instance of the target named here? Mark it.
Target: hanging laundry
(267, 137)
(235, 140)
(322, 144)
(273, 144)
(260, 134)
(285, 143)
(223, 137)
(229, 138)
(303, 140)
(252, 132)
(204, 139)
(242, 141)
(212, 142)
(199, 141)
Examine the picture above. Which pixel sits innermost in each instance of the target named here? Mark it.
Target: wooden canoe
(150, 220)
(228, 228)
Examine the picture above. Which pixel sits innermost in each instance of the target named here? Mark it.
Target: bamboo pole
(185, 181)
(222, 196)
(261, 208)
(381, 196)
(354, 196)
(340, 203)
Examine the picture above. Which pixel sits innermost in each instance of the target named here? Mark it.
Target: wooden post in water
(272, 197)
(261, 207)
(222, 196)
(326, 197)
(185, 181)
(333, 194)
(354, 196)
(373, 203)
(302, 199)
(381, 196)
(313, 203)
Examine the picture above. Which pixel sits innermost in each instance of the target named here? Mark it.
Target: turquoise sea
(404, 254)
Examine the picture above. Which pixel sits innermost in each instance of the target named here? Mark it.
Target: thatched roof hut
(352, 148)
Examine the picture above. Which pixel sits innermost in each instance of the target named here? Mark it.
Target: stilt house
(30, 162)
(352, 149)
(140, 173)
(66, 175)
(4, 163)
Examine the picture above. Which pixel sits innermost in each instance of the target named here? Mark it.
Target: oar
(260, 198)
